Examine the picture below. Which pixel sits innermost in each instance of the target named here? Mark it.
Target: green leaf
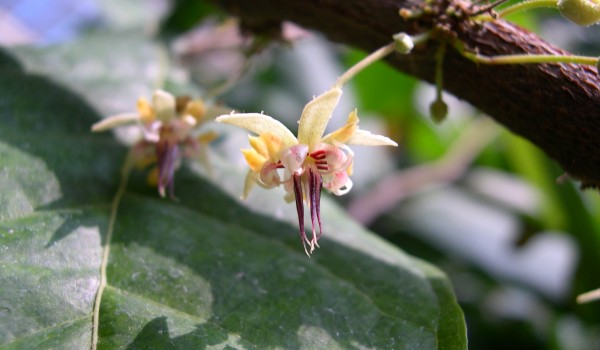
(53, 197)
(201, 272)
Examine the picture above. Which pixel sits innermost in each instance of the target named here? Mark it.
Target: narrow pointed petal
(268, 145)
(274, 146)
(316, 115)
(298, 194)
(259, 124)
(315, 186)
(365, 138)
(258, 144)
(167, 154)
(115, 120)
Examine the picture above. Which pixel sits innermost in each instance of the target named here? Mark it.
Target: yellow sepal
(343, 134)
(249, 182)
(259, 145)
(145, 110)
(254, 159)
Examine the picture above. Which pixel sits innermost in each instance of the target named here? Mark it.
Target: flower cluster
(167, 123)
(308, 163)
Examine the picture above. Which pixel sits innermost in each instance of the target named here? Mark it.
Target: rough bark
(555, 106)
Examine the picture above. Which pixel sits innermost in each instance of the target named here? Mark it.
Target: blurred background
(479, 202)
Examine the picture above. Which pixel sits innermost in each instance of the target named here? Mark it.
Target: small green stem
(589, 296)
(421, 38)
(521, 6)
(364, 63)
(530, 59)
(439, 73)
(375, 56)
(526, 5)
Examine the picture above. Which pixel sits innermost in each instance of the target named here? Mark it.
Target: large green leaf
(201, 272)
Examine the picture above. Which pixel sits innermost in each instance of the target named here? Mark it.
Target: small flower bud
(404, 43)
(164, 105)
(196, 109)
(582, 12)
(438, 110)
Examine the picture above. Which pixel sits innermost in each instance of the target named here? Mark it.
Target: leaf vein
(45, 329)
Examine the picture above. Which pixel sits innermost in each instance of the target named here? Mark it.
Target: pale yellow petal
(343, 134)
(365, 138)
(145, 110)
(259, 124)
(164, 105)
(316, 115)
(115, 121)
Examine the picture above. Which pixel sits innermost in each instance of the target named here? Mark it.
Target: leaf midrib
(45, 329)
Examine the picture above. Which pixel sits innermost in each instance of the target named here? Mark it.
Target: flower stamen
(315, 185)
(299, 196)
(167, 154)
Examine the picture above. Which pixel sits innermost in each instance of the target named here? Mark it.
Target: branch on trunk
(555, 106)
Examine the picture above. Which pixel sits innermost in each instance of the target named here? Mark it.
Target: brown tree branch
(555, 106)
